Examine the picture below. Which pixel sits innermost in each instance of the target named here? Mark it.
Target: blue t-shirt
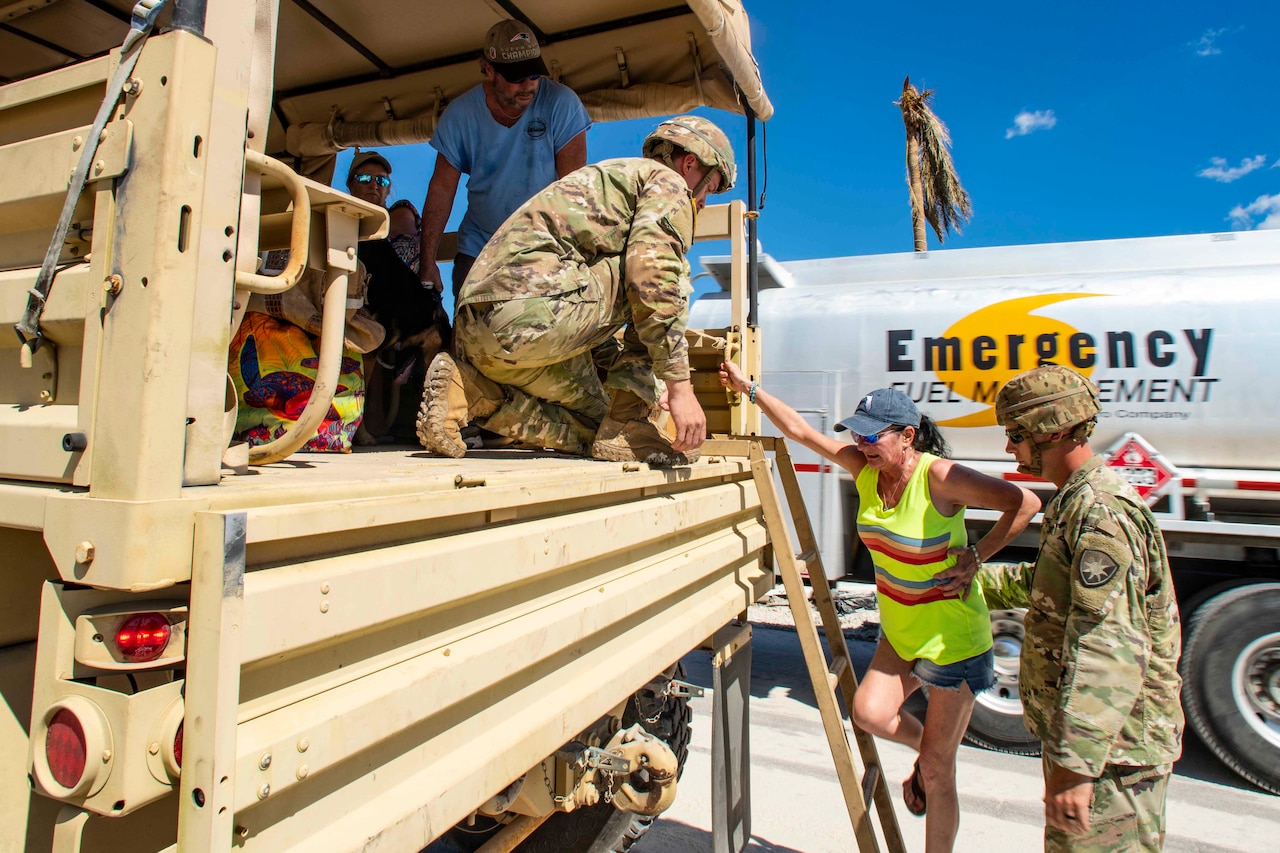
(506, 165)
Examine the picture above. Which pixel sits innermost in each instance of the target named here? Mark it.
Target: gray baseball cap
(511, 47)
(883, 407)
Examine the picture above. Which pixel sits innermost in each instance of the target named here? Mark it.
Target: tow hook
(650, 786)
(634, 771)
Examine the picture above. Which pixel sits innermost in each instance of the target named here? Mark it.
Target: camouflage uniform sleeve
(657, 274)
(1104, 657)
(1006, 586)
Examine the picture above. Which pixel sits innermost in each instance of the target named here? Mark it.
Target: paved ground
(797, 805)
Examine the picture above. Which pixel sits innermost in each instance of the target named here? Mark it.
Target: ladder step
(837, 669)
(869, 781)
(859, 794)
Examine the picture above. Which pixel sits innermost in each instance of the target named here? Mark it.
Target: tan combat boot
(634, 431)
(455, 394)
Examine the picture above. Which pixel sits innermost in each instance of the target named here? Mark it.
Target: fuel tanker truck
(1179, 335)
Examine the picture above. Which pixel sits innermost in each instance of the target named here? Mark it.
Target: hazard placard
(1139, 463)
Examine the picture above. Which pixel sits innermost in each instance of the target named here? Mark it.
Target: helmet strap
(706, 179)
(1036, 466)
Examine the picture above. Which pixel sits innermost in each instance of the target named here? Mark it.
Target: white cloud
(1206, 44)
(1265, 208)
(1223, 173)
(1025, 122)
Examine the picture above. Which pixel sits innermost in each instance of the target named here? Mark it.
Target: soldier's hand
(686, 412)
(430, 274)
(958, 580)
(1066, 799)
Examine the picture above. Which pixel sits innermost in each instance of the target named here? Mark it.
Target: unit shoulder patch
(1096, 568)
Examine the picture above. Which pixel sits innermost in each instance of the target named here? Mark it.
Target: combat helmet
(699, 137)
(1045, 401)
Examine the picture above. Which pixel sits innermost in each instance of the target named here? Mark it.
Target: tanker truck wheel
(1231, 680)
(580, 830)
(997, 713)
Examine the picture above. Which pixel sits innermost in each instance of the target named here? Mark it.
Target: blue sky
(1070, 121)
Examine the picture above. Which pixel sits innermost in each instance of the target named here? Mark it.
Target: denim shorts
(978, 671)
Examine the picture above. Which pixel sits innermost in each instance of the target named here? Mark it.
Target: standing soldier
(596, 252)
(1099, 680)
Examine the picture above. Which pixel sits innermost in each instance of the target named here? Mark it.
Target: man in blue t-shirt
(514, 134)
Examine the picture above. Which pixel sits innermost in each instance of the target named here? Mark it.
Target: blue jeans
(461, 266)
(978, 672)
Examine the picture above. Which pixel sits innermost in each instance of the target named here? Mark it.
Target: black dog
(417, 330)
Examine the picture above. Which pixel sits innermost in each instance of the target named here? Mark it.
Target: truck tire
(1231, 680)
(577, 831)
(997, 721)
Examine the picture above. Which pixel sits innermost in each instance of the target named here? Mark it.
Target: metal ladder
(826, 677)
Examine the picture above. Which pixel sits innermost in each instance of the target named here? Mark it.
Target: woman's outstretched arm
(790, 422)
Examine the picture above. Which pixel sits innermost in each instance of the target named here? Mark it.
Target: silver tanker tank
(1177, 332)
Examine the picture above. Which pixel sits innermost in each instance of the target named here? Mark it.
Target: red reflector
(143, 637)
(65, 749)
(177, 745)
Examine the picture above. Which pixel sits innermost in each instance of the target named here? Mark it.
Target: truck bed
(401, 469)
(459, 619)
(405, 634)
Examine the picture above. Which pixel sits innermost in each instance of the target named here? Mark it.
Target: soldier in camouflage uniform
(1099, 679)
(599, 251)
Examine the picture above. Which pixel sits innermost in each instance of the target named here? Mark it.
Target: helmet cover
(1045, 401)
(702, 139)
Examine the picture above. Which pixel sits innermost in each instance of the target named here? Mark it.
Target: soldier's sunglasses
(380, 180)
(1015, 436)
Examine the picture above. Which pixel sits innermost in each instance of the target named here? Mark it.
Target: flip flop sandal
(917, 791)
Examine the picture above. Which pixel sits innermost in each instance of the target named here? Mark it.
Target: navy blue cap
(883, 407)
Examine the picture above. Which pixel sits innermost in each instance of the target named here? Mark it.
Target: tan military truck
(203, 648)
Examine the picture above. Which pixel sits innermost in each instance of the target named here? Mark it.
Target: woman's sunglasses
(380, 180)
(872, 439)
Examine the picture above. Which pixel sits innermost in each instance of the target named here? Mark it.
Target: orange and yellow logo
(985, 349)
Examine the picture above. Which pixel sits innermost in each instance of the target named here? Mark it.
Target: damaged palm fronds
(936, 194)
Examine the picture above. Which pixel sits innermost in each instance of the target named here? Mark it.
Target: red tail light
(73, 748)
(65, 748)
(177, 745)
(143, 637)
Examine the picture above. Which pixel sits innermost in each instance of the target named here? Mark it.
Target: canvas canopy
(355, 72)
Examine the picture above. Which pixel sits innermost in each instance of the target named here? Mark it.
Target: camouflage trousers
(550, 353)
(1126, 814)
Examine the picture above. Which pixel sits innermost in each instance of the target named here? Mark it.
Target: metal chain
(550, 790)
(635, 697)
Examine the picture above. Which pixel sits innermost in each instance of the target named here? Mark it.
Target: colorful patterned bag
(273, 365)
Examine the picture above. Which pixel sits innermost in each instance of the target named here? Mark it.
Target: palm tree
(936, 194)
